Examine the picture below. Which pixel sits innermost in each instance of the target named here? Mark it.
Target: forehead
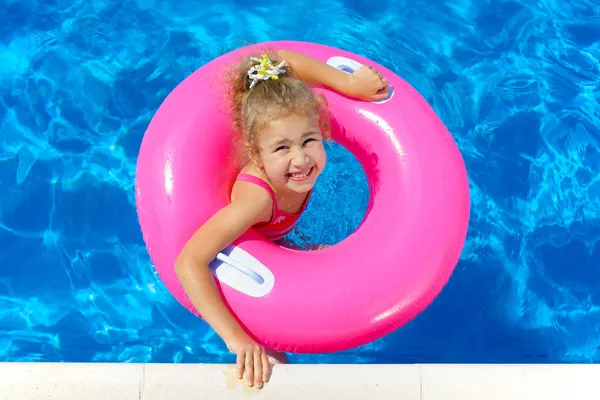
(291, 128)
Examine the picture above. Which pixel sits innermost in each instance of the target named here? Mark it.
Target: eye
(280, 148)
(309, 140)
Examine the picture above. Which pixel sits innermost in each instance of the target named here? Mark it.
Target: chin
(300, 189)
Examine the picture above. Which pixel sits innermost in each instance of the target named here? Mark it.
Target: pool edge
(116, 381)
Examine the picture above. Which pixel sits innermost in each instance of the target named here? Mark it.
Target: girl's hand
(366, 83)
(251, 358)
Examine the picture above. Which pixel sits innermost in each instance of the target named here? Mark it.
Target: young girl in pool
(282, 124)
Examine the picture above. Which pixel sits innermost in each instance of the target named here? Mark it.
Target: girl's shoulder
(257, 177)
(255, 191)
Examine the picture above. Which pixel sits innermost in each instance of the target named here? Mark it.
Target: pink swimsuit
(281, 222)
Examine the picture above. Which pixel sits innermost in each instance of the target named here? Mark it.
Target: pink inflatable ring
(370, 284)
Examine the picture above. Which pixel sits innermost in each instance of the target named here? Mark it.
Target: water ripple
(516, 82)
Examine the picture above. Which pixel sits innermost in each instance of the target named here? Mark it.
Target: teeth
(296, 175)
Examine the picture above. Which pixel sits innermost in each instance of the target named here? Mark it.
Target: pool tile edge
(70, 381)
(510, 381)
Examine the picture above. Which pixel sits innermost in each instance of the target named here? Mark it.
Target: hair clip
(264, 70)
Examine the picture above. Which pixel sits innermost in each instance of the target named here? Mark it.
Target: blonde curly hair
(253, 109)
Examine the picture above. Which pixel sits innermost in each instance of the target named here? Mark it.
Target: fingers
(255, 363)
(239, 365)
(382, 94)
(379, 74)
(249, 366)
(266, 367)
(258, 367)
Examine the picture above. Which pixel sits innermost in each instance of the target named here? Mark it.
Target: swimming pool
(515, 82)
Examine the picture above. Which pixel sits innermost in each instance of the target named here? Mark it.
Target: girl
(282, 124)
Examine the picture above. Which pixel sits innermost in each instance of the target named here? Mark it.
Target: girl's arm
(252, 204)
(365, 83)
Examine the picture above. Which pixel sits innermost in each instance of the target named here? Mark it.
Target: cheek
(320, 156)
(274, 166)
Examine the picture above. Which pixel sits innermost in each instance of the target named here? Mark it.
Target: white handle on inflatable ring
(241, 267)
(349, 66)
(241, 271)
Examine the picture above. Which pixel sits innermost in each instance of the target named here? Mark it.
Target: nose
(300, 159)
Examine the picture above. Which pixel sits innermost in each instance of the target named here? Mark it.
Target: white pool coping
(125, 381)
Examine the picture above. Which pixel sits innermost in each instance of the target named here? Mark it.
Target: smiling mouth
(301, 175)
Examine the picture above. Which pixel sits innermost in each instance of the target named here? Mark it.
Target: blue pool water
(516, 82)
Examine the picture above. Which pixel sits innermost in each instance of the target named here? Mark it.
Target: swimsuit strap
(260, 182)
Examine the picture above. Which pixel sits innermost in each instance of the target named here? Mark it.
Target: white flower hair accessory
(265, 70)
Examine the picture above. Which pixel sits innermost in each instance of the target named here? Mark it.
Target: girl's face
(292, 152)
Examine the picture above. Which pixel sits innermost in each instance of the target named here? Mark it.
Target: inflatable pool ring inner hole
(368, 285)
